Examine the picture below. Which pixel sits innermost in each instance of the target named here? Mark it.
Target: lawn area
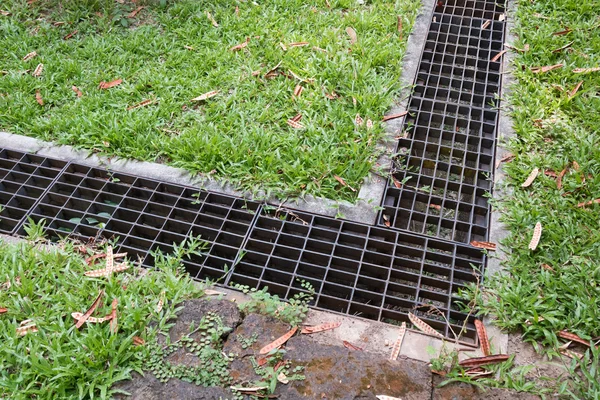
(325, 61)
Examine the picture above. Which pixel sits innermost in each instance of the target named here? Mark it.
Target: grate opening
(486, 9)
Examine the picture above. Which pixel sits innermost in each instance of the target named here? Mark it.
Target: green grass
(172, 53)
(553, 131)
(60, 361)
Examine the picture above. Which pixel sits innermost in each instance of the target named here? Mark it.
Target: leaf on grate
(38, 70)
(114, 326)
(484, 245)
(90, 311)
(140, 104)
(586, 70)
(135, 12)
(70, 35)
(298, 90)
(92, 320)
(543, 70)
(479, 361)
(396, 182)
(352, 33)
(278, 342)
(206, 95)
(298, 44)
(29, 56)
(161, 301)
(435, 207)
(532, 175)
(394, 116)
(486, 24)
(107, 85)
(38, 98)
(398, 343)
(320, 328)
(566, 46)
(573, 337)
(386, 220)
(138, 341)
(241, 45)
(77, 91)
(212, 20)
(343, 182)
(25, 329)
(423, 326)
(350, 346)
(588, 203)
(483, 337)
(497, 56)
(535, 239)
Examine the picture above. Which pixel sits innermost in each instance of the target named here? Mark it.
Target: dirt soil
(331, 371)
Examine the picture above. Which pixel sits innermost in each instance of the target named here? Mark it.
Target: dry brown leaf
(396, 182)
(566, 46)
(5, 13)
(307, 80)
(247, 389)
(505, 158)
(350, 346)
(550, 173)
(107, 271)
(497, 56)
(532, 175)
(423, 326)
(111, 84)
(486, 24)
(91, 259)
(140, 104)
(483, 337)
(283, 46)
(294, 124)
(114, 326)
(282, 378)
(399, 25)
(24, 330)
(588, 203)
(352, 33)
(358, 121)
(332, 95)
(547, 267)
(435, 207)
(29, 56)
(38, 70)
(241, 45)
(298, 90)
(3, 310)
(70, 35)
(272, 72)
(206, 95)
(161, 301)
(237, 11)
(90, 311)
(484, 245)
(477, 372)
(384, 397)
(573, 337)
(537, 234)
(386, 220)
(278, 342)
(343, 182)
(92, 320)
(135, 12)
(398, 343)
(542, 70)
(212, 20)
(297, 117)
(571, 354)
(320, 328)
(563, 32)
(479, 361)
(298, 44)
(585, 70)
(138, 341)
(394, 116)
(501, 17)
(210, 292)
(77, 91)
(38, 98)
(369, 124)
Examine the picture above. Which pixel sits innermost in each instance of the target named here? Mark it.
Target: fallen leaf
(91, 259)
(206, 95)
(547, 267)
(332, 95)
(77, 91)
(320, 328)
(386, 220)
(248, 389)
(423, 326)
(497, 56)
(358, 121)
(111, 84)
(3, 310)
(571, 354)
(369, 124)
(237, 11)
(588, 203)
(505, 158)
(38, 70)
(501, 17)
(135, 12)
(308, 80)
(70, 35)
(350, 346)
(294, 124)
(5, 13)
(278, 342)
(399, 25)
(297, 117)
(90, 311)
(394, 116)
(566, 46)
(573, 337)
(484, 245)
(586, 70)
(384, 397)
(38, 98)
(107, 271)
(140, 104)
(352, 33)
(563, 32)
(24, 330)
(550, 173)
(138, 341)
(298, 90)
(283, 47)
(282, 378)
(479, 361)
(92, 320)
(435, 207)
(343, 182)
(542, 70)
(212, 20)
(478, 372)
(241, 45)
(483, 337)
(532, 175)
(113, 316)
(161, 301)
(29, 56)
(210, 292)
(537, 234)
(271, 73)
(298, 44)
(398, 343)
(486, 24)
(319, 49)
(396, 182)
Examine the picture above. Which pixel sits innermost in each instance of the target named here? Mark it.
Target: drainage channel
(441, 177)
(356, 269)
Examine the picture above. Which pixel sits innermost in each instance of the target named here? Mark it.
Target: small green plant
(247, 342)
(584, 380)
(35, 230)
(276, 370)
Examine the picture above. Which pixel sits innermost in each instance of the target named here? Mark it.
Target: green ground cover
(173, 51)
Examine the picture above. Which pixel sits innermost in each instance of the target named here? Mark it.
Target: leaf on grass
(571, 354)
(294, 124)
(111, 84)
(138, 341)
(5, 13)
(320, 328)
(479, 361)
(486, 24)
(543, 70)
(585, 70)
(369, 124)
(573, 337)
(352, 33)
(135, 12)
(350, 346)
(537, 234)
(547, 267)
(394, 116)
(3, 310)
(241, 45)
(399, 25)
(161, 302)
(297, 117)
(505, 158)
(278, 342)
(398, 343)
(107, 271)
(38, 70)
(484, 245)
(272, 72)
(497, 56)
(90, 311)
(298, 90)
(29, 56)
(358, 121)
(140, 104)
(588, 203)
(206, 95)
(532, 175)
(283, 47)
(343, 182)
(24, 330)
(307, 80)
(38, 98)
(332, 95)
(92, 320)
(483, 337)
(114, 326)
(476, 373)
(77, 91)
(212, 20)
(70, 35)
(566, 46)
(423, 326)
(563, 32)
(298, 44)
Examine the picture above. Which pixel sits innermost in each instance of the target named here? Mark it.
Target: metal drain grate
(484, 9)
(356, 269)
(443, 169)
